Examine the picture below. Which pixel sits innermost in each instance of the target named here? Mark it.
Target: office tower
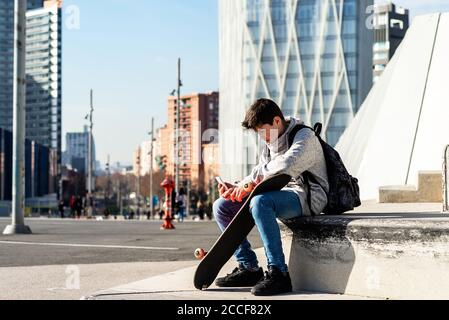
(77, 150)
(313, 57)
(390, 26)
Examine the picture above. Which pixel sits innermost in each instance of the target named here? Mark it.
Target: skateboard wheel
(200, 253)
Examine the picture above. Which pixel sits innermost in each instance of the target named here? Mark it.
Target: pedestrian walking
(61, 208)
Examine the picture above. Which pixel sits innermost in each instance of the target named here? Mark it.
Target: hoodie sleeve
(257, 170)
(299, 158)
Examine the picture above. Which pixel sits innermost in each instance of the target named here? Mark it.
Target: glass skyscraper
(313, 57)
(35, 4)
(6, 62)
(43, 70)
(77, 151)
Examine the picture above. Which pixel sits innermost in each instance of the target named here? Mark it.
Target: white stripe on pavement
(88, 245)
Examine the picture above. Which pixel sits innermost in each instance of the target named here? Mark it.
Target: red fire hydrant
(168, 186)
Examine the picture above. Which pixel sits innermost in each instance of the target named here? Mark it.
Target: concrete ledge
(397, 194)
(430, 186)
(429, 190)
(382, 255)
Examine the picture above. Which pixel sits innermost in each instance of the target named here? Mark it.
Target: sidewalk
(70, 282)
(178, 285)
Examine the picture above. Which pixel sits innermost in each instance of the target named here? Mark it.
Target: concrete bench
(384, 255)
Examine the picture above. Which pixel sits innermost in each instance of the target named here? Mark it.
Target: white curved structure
(403, 126)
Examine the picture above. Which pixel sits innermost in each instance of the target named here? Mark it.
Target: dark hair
(263, 111)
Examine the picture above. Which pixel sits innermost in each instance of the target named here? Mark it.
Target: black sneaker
(240, 277)
(274, 282)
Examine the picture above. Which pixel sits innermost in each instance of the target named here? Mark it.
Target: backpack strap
(291, 137)
(306, 175)
(318, 128)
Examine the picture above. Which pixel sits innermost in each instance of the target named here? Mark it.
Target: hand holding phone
(221, 182)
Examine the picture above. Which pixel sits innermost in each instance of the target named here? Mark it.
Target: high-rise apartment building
(43, 70)
(198, 126)
(6, 63)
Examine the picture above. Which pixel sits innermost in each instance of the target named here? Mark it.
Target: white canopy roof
(403, 125)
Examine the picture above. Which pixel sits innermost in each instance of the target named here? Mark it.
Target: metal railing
(445, 180)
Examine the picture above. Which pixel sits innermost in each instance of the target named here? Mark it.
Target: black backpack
(344, 191)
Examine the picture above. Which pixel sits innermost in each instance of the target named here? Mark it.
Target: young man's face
(270, 133)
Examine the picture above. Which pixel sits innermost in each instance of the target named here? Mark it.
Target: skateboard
(242, 224)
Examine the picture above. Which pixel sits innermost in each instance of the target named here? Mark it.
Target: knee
(260, 201)
(218, 207)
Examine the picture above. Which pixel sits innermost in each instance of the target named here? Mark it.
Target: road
(67, 242)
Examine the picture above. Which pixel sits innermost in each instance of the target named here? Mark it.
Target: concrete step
(394, 255)
(429, 190)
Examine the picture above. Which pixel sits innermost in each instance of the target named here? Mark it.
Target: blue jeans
(181, 214)
(265, 208)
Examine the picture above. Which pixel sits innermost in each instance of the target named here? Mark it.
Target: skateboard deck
(233, 236)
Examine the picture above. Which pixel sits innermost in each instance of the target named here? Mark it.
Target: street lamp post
(178, 117)
(139, 170)
(90, 156)
(120, 198)
(188, 199)
(18, 184)
(108, 183)
(151, 167)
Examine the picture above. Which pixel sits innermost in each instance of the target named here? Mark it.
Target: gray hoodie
(306, 154)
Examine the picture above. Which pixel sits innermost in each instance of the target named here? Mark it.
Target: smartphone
(220, 181)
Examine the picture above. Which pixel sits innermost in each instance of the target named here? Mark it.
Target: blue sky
(418, 7)
(127, 52)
